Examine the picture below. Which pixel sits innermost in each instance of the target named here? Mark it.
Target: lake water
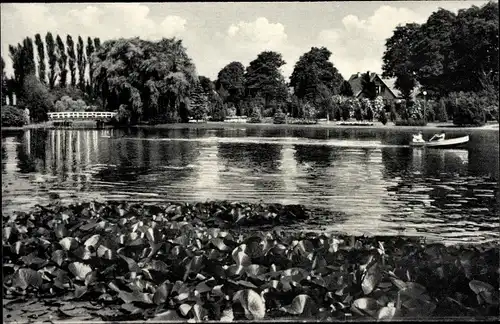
(360, 181)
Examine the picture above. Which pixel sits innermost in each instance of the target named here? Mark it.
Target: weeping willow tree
(144, 79)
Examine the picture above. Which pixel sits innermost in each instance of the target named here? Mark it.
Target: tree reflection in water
(433, 191)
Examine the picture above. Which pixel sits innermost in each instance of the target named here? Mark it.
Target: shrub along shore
(229, 261)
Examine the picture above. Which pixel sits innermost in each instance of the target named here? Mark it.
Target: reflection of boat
(453, 142)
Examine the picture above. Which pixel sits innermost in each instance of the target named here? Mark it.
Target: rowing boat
(452, 142)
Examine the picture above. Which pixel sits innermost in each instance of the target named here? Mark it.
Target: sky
(216, 34)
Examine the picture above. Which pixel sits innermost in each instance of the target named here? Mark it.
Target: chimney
(358, 74)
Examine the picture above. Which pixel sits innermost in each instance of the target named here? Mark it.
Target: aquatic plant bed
(117, 261)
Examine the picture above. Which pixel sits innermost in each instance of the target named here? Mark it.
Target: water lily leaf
(80, 291)
(386, 313)
(132, 265)
(7, 232)
(161, 294)
(252, 303)
(61, 279)
(301, 305)
(194, 265)
(105, 253)
(106, 297)
(90, 278)
(234, 270)
(304, 247)
(168, 316)
(135, 297)
(184, 309)
(33, 260)
(58, 257)
(157, 265)
(217, 291)
(200, 314)
(83, 253)
(23, 278)
(371, 278)
(255, 247)
(240, 257)
(130, 308)
(79, 270)
(246, 284)
(255, 270)
(219, 244)
(68, 243)
(17, 247)
(296, 274)
(365, 305)
(87, 227)
(202, 287)
(479, 286)
(414, 290)
(61, 231)
(93, 240)
(227, 315)
(152, 234)
(398, 283)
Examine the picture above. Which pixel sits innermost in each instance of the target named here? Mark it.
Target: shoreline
(224, 125)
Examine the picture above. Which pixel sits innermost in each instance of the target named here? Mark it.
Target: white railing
(80, 115)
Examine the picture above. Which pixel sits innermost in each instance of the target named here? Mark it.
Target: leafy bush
(400, 109)
(255, 117)
(279, 118)
(218, 112)
(338, 114)
(358, 114)
(410, 122)
(441, 114)
(123, 116)
(37, 98)
(12, 116)
(68, 104)
(468, 110)
(349, 108)
(491, 113)
(366, 109)
(378, 105)
(382, 117)
(310, 111)
(231, 111)
(416, 109)
(159, 119)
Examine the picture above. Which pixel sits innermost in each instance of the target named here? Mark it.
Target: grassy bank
(117, 261)
(446, 127)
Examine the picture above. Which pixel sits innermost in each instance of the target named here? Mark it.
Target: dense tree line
(50, 63)
(448, 54)
(261, 89)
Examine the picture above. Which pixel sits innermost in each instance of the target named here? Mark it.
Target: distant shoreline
(447, 127)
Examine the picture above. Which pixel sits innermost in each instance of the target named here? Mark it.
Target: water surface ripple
(360, 181)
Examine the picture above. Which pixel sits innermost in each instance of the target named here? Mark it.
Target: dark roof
(355, 82)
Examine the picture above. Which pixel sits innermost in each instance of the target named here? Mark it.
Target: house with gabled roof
(385, 86)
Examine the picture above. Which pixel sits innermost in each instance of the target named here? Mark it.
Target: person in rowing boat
(437, 137)
(418, 138)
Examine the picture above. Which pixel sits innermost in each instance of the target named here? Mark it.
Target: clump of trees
(147, 81)
(54, 76)
(448, 54)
